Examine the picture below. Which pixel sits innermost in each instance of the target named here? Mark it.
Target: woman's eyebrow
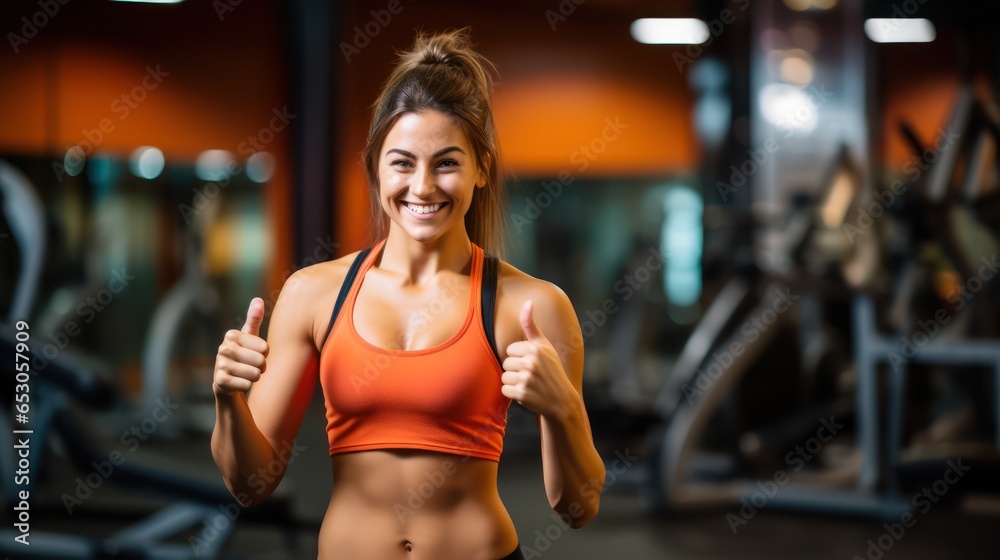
(444, 151)
(438, 153)
(403, 152)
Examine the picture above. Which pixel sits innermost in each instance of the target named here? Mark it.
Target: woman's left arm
(544, 373)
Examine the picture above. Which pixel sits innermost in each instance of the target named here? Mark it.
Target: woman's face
(427, 174)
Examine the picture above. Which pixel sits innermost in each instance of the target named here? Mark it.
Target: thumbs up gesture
(242, 355)
(533, 373)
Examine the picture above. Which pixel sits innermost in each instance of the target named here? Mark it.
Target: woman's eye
(448, 163)
(400, 162)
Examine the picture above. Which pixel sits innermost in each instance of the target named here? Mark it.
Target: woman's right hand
(242, 355)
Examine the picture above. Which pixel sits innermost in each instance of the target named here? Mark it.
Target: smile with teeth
(424, 208)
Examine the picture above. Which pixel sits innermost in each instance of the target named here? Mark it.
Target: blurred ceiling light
(803, 5)
(899, 30)
(73, 161)
(146, 162)
(214, 165)
(797, 68)
(670, 31)
(260, 167)
(788, 108)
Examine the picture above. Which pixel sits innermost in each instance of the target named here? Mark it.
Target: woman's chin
(423, 234)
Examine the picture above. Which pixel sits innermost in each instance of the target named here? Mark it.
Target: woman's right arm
(253, 435)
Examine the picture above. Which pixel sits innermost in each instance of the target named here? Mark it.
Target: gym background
(777, 221)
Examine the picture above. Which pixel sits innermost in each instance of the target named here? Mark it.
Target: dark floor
(621, 531)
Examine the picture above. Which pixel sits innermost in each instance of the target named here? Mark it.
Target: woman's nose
(422, 184)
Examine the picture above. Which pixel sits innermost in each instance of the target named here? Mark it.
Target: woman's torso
(417, 505)
(411, 503)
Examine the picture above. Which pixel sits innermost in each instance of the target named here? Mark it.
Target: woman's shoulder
(514, 278)
(553, 311)
(515, 286)
(324, 275)
(312, 290)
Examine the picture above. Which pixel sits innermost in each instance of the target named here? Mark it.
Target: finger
(253, 342)
(237, 370)
(255, 316)
(513, 363)
(231, 383)
(512, 392)
(247, 356)
(531, 330)
(511, 377)
(520, 348)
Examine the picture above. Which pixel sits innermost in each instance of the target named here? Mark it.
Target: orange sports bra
(445, 398)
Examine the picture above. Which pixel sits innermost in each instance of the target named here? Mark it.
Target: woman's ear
(483, 175)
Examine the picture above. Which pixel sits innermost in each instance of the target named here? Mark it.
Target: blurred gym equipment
(191, 295)
(26, 219)
(929, 220)
(681, 477)
(56, 399)
(743, 324)
(714, 445)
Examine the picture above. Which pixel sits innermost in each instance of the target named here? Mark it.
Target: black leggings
(516, 555)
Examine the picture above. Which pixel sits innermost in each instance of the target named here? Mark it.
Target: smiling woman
(430, 339)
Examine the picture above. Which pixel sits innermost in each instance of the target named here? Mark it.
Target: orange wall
(224, 79)
(557, 89)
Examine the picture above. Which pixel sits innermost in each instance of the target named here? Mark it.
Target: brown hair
(441, 72)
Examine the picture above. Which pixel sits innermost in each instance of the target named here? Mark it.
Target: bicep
(278, 401)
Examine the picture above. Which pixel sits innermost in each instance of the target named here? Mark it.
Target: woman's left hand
(533, 372)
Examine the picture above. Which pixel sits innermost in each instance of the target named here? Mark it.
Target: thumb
(255, 315)
(528, 321)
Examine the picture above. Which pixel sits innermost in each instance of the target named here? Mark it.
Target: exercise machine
(68, 384)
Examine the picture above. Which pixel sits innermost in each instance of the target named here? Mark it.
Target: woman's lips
(426, 215)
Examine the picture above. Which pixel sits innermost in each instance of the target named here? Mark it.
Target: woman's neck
(417, 262)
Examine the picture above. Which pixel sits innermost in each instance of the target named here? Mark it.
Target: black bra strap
(491, 269)
(344, 289)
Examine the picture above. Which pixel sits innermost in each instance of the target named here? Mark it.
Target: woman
(421, 355)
